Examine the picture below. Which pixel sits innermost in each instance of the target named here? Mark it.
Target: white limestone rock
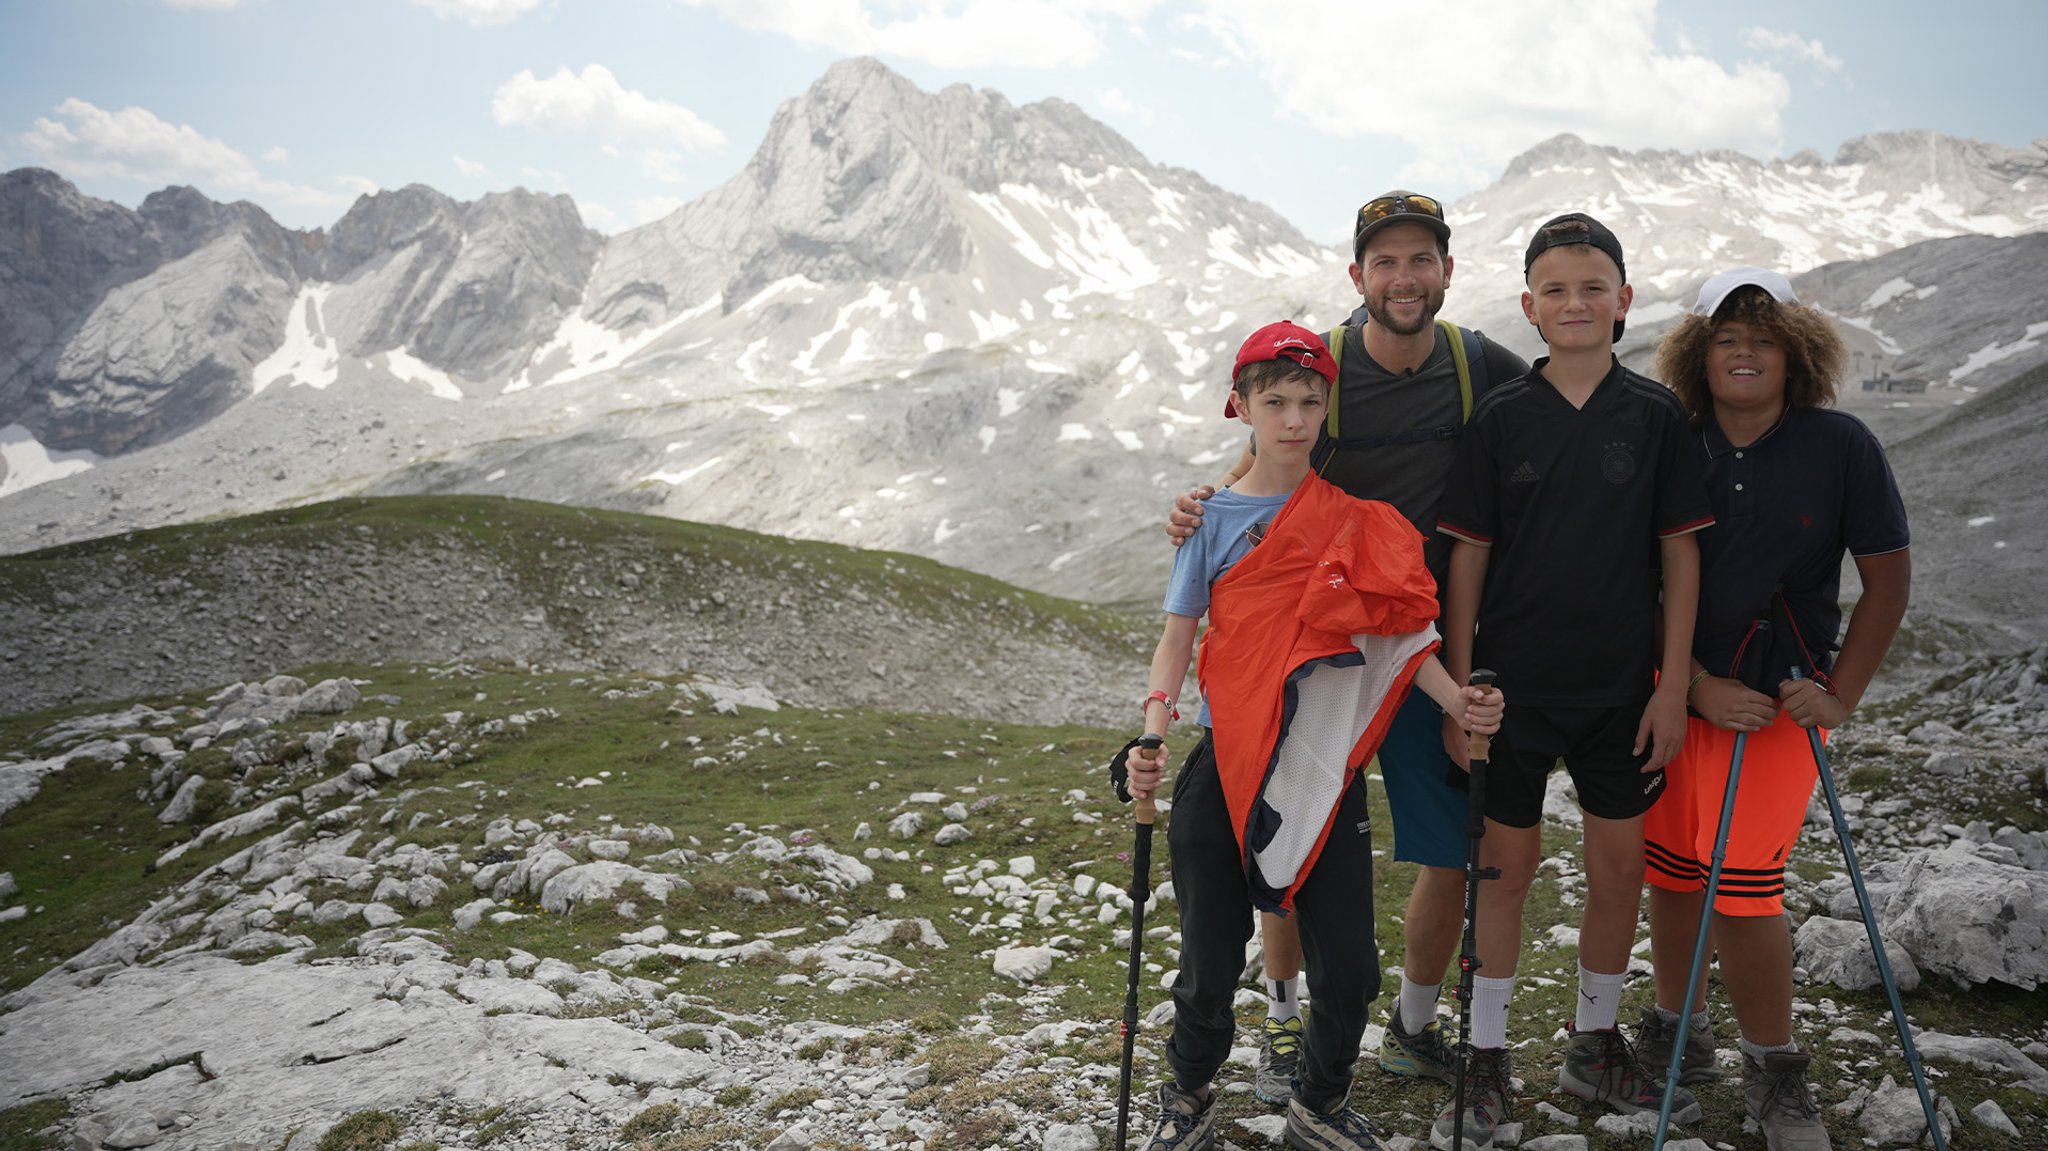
(1024, 964)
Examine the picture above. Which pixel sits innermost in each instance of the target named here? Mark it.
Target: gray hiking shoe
(1486, 1103)
(1186, 1122)
(1426, 1054)
(1339, 1129)
(1778, 1097)
(1603, 1067)
(1279, 1059)
(1653, 1043)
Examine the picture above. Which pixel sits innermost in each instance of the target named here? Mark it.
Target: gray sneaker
(1426, 1054)
(1778, 1097)
(1186, 1122)
(1338, 1129)
(1486, 1103)
(1279, 1059)
(1603, 1067)
(1653, 1043)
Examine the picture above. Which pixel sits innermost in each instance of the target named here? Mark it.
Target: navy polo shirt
(1785, 509)
(1572, 503)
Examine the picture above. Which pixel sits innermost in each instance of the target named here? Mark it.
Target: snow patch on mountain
(582, 347)
(28, 463)
(413, 370)
(1992, 353)
(308, 355)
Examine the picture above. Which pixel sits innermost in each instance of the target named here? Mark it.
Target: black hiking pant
(1332, 909)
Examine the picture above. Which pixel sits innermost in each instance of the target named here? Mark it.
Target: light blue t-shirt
(1225, 537)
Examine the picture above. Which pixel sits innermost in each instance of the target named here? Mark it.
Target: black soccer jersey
(1572, 503)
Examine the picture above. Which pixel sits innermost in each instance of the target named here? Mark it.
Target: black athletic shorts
(1596, 745)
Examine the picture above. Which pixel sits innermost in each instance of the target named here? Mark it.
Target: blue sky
(637, 106)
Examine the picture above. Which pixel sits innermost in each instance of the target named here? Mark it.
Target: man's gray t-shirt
(1374, 403)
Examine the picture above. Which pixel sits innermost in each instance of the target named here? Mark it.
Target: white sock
(1757, 1051)
(1283, 999)
(1490, 1010)
(1418, 1004)
(1599, 999)
(1698, 1025)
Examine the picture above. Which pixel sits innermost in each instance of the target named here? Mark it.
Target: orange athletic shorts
(1778, 775)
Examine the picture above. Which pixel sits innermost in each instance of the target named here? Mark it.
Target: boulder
(1024, 964)
(1837, 951)
(329, 697)
(1971, 917)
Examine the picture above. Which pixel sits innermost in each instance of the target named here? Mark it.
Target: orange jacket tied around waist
(1314, 640)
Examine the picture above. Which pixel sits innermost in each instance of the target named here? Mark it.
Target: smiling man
(1406, 385)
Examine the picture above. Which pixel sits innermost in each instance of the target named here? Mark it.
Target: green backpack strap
(1336, 346)
(1460, 357)
(1467, 355)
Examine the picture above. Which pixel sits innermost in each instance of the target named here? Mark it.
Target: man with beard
(1404, 392)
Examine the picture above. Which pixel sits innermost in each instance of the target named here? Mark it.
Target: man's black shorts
(1597, 747)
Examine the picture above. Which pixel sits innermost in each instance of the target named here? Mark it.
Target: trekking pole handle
(1147, 810)
(1480, 746)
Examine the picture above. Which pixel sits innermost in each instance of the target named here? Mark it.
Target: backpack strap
(1467, 354)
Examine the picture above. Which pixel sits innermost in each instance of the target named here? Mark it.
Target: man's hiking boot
(1339, 1129)
(1603, 1067)
(1426, 1054)
(1778, 1097)
(1486, 1103)
(1653, 1043)
(1186, 1122)
(1279, 1059)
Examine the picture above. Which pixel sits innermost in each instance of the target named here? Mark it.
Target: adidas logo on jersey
(1526, 474)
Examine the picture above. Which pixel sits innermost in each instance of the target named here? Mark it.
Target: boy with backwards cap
(1574, 486)
(1321, 617)
(1793, 486)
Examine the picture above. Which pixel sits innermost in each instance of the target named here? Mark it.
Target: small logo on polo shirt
(1526, 474)
(1618, 464)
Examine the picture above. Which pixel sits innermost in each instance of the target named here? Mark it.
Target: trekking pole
(1699, 946)
(1884, 966)
(1480, 748)
(1141, 890)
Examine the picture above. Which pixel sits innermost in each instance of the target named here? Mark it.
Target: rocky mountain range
(941, 323)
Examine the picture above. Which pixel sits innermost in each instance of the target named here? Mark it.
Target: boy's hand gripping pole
(1141, 890)
(1481, 747)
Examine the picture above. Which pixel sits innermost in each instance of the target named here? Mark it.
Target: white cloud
(279, 156)
(135, 144)
(948, 33)
(544, 177)
(666, 167)
(654, 208)
(478, 13)
(361, 186)
(1792, 45)
(1471, 92)
(598, 216)
(595, 103)
(1117, 104)
(469, 168)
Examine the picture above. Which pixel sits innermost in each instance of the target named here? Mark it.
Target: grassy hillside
(443, 578)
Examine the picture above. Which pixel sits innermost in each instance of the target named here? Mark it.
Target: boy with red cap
(1321, 615)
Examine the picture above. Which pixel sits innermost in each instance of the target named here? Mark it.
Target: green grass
(23, 1128)
(80, 850)
(363, 1131)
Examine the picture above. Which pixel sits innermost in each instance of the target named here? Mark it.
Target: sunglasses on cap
(1373, 211)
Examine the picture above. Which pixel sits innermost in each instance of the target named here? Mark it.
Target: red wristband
(1172, 712)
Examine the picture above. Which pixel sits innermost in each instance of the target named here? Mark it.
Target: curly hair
(1814, 353)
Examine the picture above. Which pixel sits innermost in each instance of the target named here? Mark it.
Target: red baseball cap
(1281, 340)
